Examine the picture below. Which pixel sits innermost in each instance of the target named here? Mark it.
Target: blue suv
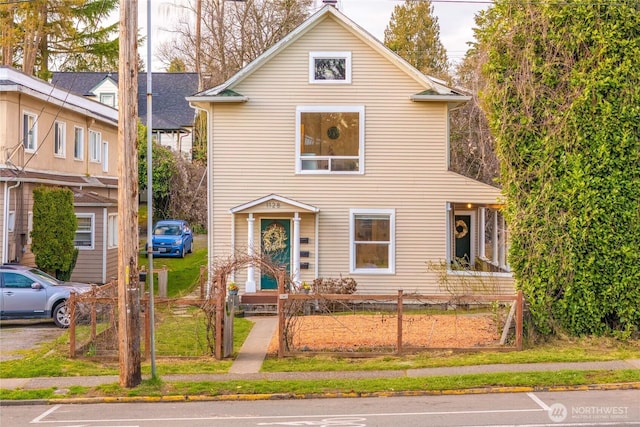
(172, 238)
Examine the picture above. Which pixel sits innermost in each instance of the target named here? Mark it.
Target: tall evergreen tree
(562, 95)
(414, 34)
(64, 34)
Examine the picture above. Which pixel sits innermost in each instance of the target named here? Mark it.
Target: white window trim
(392, 241)
(105, 95)
(97, 149)
(11, 222)
(93, 231)
(330, 109)
(25, 132)
(60, 129)
(105, 156)
(329, 55)
(75, 142)
(112, 231)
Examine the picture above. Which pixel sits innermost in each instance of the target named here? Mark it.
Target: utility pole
(128, 292)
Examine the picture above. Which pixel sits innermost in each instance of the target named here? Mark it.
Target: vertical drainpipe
(5, 225)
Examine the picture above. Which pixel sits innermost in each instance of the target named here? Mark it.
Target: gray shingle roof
(171, 111)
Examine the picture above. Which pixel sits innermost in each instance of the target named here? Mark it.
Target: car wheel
(62, 315)
(190, 248)
(182, 252)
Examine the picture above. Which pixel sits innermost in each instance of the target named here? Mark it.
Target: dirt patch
(18, 335)
(351, 332)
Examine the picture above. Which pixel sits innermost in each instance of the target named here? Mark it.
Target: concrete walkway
(254, 349)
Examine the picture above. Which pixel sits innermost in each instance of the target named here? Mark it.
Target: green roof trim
(229, 92)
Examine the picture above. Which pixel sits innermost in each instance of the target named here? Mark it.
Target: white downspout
(5, 218)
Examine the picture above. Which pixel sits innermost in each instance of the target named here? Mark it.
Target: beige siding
(253, 155)
(44, 160)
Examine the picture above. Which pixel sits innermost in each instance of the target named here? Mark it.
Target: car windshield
(166, 230)
(44, 276)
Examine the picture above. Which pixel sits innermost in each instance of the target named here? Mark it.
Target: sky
(455, 18)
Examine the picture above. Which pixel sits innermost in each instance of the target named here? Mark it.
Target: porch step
(259, 309)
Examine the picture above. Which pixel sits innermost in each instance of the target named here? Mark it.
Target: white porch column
(250, 284)
(296, 248)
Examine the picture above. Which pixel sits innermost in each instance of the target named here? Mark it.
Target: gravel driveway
(24, 334)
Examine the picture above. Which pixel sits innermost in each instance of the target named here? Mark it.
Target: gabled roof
(12, 80)
(274, 197)
(220, 92)
(171, 111)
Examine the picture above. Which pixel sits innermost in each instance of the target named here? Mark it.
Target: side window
(372, 241)
(112, 231)
(59, 138)
(29, 131)
(330, 139)
(95, 146)
(84, 238)
(78, 143)
(16, 281)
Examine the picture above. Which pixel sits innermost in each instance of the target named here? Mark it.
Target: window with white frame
(78, 143)
(329, 67)
(11, 224)
(59, 138)
(112, 231)
(84, 238)
(29, 131)
(95, 146)
(372, 241)
(108, 98)
(105, 156)
(330, 139)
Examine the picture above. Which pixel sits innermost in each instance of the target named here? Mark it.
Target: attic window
(329, 67)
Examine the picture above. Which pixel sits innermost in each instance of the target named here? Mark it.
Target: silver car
(29, 293)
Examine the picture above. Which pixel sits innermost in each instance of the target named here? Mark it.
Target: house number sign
(273, 205)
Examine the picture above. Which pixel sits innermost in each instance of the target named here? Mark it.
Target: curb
(292, 396)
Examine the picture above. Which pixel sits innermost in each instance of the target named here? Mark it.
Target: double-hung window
(78, 143)
(330, 139)
(95, 146)
(84, 238)
(372, 241)
(59, 138)
(493, 238)
(29, 131)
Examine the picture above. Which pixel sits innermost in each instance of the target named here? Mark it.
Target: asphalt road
(590, 408)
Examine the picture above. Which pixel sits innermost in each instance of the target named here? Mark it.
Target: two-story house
(330, 153)
(172, 119)
(51, 137)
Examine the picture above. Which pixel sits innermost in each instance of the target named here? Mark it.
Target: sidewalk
(247, 367)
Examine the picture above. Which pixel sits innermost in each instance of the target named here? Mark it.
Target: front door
(275, 242)
(462, 233)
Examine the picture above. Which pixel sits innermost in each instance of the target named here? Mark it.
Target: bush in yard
(54, 230)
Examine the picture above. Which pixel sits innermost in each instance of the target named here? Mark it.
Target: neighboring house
(172, 118)
(50, 137)
(331, 152)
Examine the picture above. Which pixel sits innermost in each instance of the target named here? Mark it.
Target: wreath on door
(274, 238)
(461, 229)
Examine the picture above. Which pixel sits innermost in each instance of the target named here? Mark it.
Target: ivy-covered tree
(414, 34)
(54, 230)
(563, 99)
